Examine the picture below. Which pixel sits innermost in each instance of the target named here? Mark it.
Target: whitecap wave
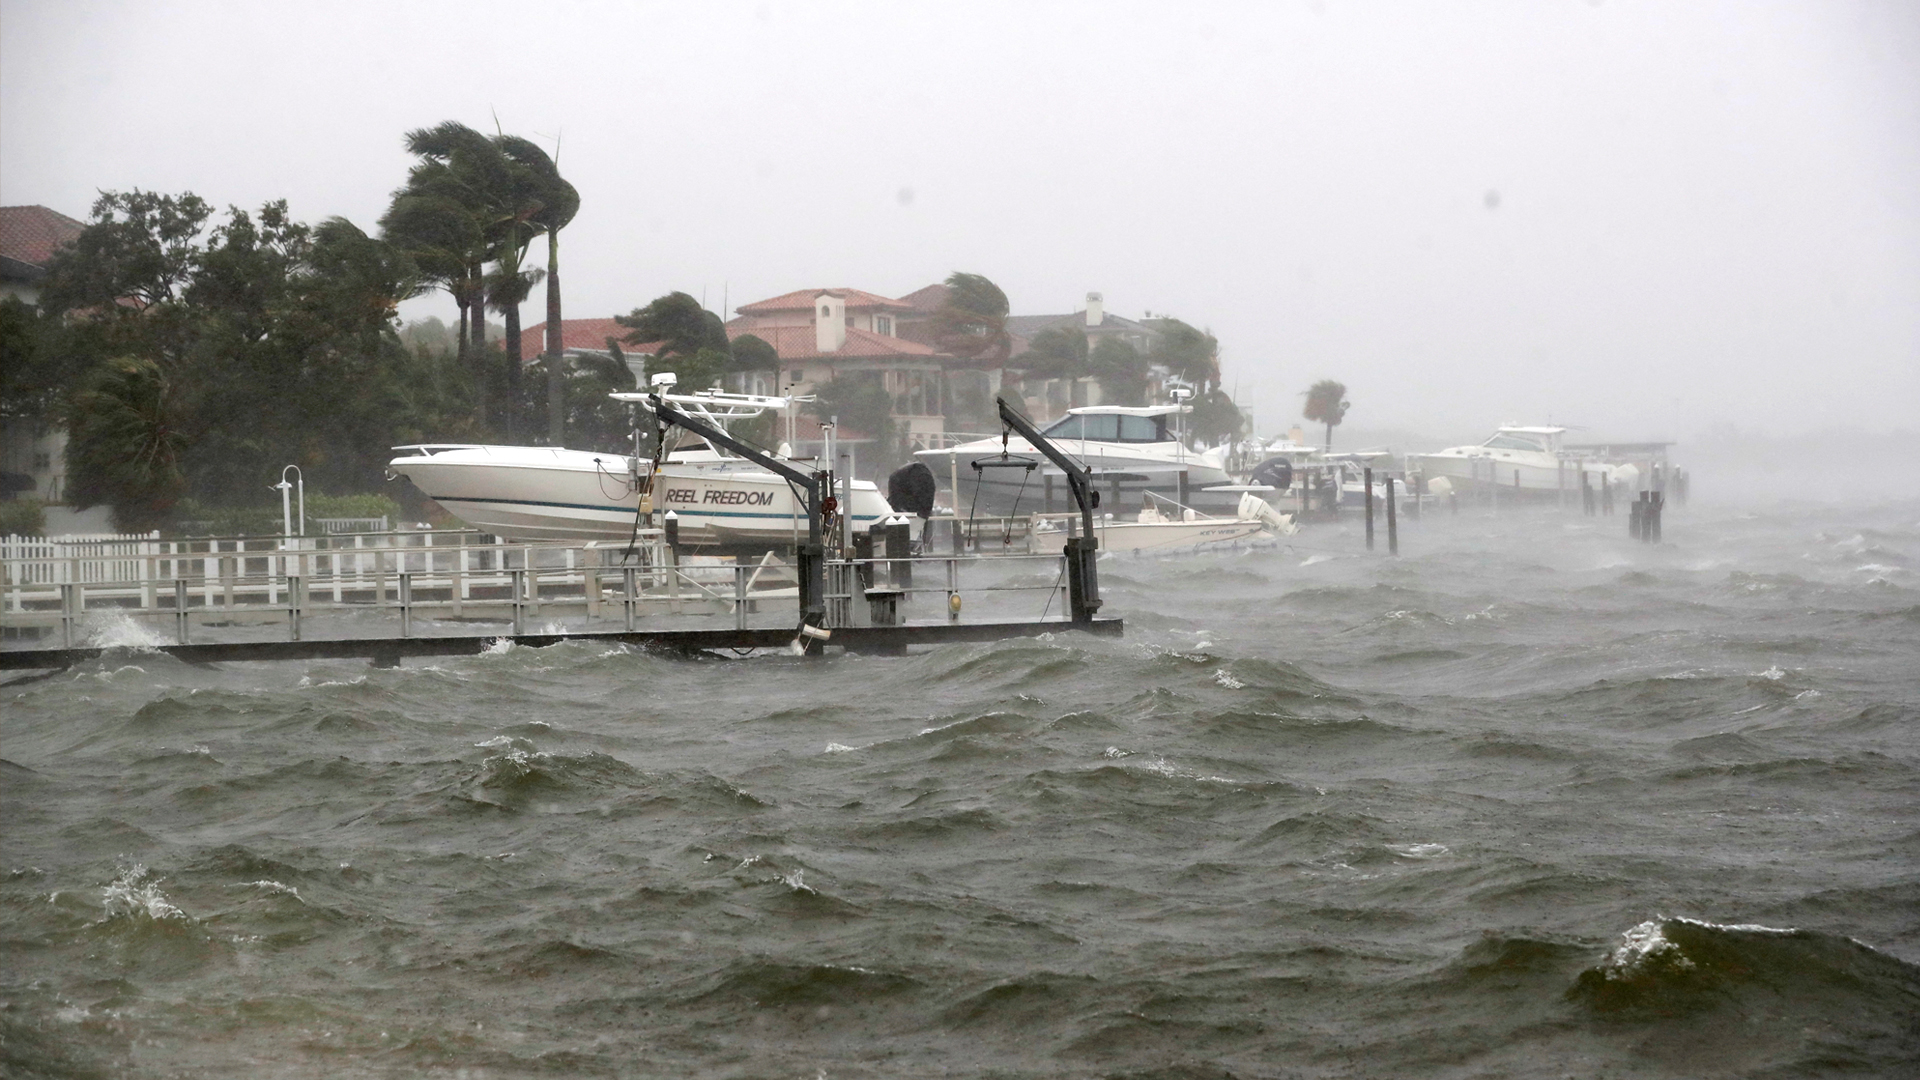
(135, 893)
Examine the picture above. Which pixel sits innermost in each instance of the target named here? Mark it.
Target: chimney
(1096, 309)
(829, 322)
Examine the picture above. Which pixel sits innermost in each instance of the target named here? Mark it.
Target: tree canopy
(1058, 352)
(1191, 354)
(198, 357)
(1326, 404)
(471, 202)
(1121, 371)
(972, 323)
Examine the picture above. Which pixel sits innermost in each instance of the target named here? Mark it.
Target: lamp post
(286, 509)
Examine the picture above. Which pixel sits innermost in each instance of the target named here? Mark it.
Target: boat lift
(1083, 580)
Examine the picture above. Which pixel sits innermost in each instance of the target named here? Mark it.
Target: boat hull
(536, 494)
(999, 489)
(1159, 535)
(1529, 474)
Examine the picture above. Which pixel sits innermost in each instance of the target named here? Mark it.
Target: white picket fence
(93, 558)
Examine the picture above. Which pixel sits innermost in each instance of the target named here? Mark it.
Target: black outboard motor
(910, 489)
(1277, 471)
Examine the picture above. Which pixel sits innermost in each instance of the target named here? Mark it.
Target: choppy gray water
(1530, 800)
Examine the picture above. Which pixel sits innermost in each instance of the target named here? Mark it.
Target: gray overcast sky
(1644, 217)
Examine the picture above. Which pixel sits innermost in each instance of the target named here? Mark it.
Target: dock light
(286, 510)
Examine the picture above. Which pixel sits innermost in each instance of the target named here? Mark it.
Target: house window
(883, 324)
(825, 311)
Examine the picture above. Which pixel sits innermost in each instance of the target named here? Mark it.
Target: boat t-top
(1139, 448)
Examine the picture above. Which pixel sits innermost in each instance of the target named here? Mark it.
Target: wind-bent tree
(1058, 352)
(752, 353)
(689, 340)
(501, 185)
(444, 239)
(255, 344)
(863, 406)
(558, 203)
(972, 323)
(1121, 370)
(1191, 354)
(1216, 419)
(1326, 404)
(125, 444)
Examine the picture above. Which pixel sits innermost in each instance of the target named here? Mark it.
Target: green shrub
(192, 517)
(352, 506)
(23, 517)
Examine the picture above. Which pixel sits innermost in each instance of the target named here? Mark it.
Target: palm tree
(493, 181)
(125, 444)
(559, 202)
(972, 323)
(1326, 404)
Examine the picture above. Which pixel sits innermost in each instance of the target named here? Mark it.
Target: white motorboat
(1153, 531)
(549, 493)
(1529, 460)
(1133, 450)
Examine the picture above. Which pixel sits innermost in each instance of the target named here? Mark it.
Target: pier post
(627, 597)
(1393, 530)
(180, 610)
(1369, 499)
(1635, 513)
(863, 554)
(739, 596)
(1181, 481)
(899, 548)
(406, 603)
(953, 590)
(1368, 485)
(69, 611)
(293, 606)
(1659, 503)
(517, 585)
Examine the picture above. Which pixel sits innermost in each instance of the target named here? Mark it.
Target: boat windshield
(1110, 428)
(1504, 441)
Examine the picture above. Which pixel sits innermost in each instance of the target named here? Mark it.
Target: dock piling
(1393, 531)
(1369, 499)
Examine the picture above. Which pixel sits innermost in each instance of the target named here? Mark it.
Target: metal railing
(186, 586)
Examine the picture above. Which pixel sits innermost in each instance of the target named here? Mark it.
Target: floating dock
(389, 652)
(388, 597)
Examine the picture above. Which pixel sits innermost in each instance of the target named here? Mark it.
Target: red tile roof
(791, 342)
(797, 343)
(31, 234)
(586, 335)
(802, 300)
(929, 299)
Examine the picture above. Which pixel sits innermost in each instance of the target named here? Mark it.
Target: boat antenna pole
(812, 555)
(1083, 583)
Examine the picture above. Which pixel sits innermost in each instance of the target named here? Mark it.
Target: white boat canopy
(1511, 429)
(712, 405)
(1129, 410)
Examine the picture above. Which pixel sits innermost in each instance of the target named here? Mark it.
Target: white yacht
(1131, 449)
(1528, 459)
(532, 493)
